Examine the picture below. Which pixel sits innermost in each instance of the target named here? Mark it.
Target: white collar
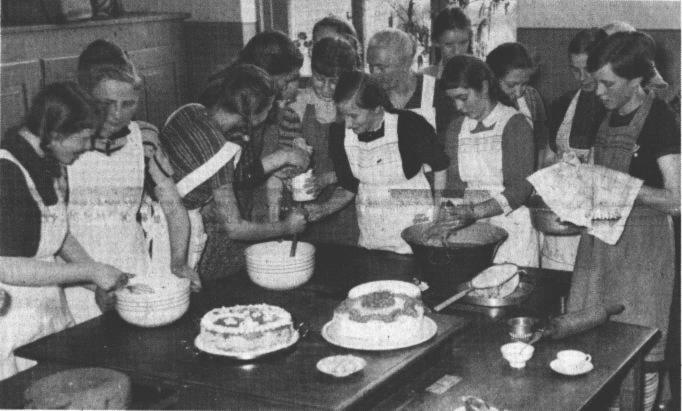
(493, 116)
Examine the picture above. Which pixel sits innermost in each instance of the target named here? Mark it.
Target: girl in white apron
(107, 189)
(492, 154)
(38, 305)
(574, 137)
(380, 156)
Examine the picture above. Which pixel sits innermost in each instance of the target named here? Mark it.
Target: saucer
(584, 368)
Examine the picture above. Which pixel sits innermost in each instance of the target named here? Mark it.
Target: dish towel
(591, 196)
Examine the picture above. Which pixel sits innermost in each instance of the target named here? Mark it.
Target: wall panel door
(161, 95)
(20, 82)
(60, 69)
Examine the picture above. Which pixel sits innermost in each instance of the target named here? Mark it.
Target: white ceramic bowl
(517, 353)
(153, 304)
(165, 288)
(153, 316)
(394, 286)
(270, 265)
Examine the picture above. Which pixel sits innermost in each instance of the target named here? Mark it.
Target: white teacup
(573, 358)
(517, 353)
(298, 184)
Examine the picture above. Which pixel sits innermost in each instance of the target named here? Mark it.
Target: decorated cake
(381, 317)
(247, 328)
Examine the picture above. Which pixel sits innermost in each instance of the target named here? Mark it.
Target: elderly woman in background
(512, 65)
(491, 153)
(111, 184)
(640, 137)
(33, 220)
(451, 34)
(205, 143)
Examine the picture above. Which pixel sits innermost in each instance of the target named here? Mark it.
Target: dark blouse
(660, 136)
(19, 213)
(417, 143)
(589, 113)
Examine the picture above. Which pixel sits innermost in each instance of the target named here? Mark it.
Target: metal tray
(522, 292)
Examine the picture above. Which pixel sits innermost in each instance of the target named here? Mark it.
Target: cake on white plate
(247, 328)
(382, 318)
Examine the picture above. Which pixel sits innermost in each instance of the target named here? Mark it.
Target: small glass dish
(341, 365)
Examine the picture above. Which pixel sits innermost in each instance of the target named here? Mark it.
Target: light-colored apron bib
(524, 109)
(480, 166)
(558, 252)
(198, 236)
(386, 202)
(35, 311)
(104, 198)
(639, 270)
(426, 108)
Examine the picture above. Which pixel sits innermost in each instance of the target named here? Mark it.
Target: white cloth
(198, 236)
(480, 166)
(105, 196)
(386, 202)
(591, 196)
(35, 311)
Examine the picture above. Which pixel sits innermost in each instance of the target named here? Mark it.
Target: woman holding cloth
(204, 142)
(640, 137)
(491, 152)
(379, 161)
(33, 221)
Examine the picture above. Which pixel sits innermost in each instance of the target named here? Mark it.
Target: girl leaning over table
(379, 161)
(491, 153)
(206, 142)
(33, 220)
(116, 181)
(640, 137)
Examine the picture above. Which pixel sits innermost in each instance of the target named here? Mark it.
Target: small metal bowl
(521, 328)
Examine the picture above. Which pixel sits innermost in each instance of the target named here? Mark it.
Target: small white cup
(517, 353)
(573, 358)
(298, 186)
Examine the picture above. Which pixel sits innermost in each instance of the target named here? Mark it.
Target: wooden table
(163, 363)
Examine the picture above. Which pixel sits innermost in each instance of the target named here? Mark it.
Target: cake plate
(243, 355)
(428, 331)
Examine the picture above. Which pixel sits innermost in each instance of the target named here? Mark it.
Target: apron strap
(428, 90)
(6, 155)
(209, 168)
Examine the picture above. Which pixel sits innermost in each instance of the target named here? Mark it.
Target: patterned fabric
(190, 139)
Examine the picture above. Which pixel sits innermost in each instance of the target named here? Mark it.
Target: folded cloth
(592, 196)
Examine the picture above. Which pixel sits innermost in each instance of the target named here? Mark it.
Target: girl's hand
(315, 211)
(463, 212)
(185, 271)
(106, 300)
(295, 222)
(314, 185)
(108, 278)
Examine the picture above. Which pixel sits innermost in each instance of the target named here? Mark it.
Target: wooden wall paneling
(20, 82)
(60, 69)
(161, 94)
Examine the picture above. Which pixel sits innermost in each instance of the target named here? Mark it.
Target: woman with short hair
(33, 220)
(640, 137)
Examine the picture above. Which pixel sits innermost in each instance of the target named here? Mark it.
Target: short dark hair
(101, 60)
(272, 51)
(470, 72)
(332, 56)
(586, 40)
(451, 18)
(507, 57)
(629, 53)
(335, 23)
(364, 88)
(62, 108)
(244, 89)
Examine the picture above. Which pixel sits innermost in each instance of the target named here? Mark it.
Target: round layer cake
(380, 318)
(247, 328)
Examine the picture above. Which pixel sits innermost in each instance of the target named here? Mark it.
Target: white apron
(480, 166)
(197, 236)
(559, 252)
(105, 196)
(523, 108)
(426, 108)
(35, 311)
(386, 202)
